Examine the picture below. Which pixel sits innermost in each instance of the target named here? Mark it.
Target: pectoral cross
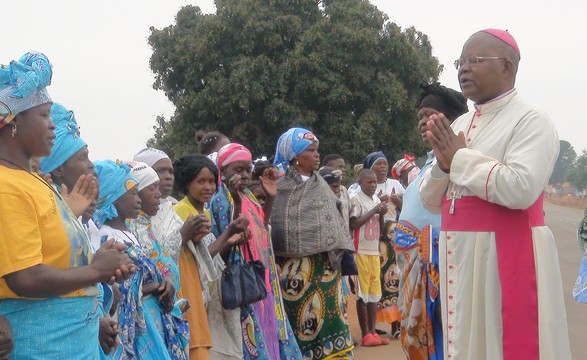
(453, 198)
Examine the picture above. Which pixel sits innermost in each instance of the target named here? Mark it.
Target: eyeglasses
(459, 63)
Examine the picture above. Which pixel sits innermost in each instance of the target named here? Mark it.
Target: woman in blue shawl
(150, 327)
(310, 235)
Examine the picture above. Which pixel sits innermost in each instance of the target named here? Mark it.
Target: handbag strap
(233, 257)
(248, 247)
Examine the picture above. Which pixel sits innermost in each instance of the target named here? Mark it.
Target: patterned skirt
(266, 330)
(387, 310)
(419, 300)
(316, 305)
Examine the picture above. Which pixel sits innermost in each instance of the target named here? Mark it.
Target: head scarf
(232, 152)
(290, 144)
(115, 180)
(402, 165)
(445, 100)
(506, 37)
(67, 140)
(330, 175)
(22, 85)
(372, 158)
(144, 174)
(150, 156)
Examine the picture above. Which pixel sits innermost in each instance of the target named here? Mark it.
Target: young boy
(366, 218)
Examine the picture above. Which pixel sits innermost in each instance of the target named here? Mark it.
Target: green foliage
(578, 172)
(258, 67)
(566, 158)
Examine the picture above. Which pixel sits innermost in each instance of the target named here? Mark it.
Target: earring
(14, 131)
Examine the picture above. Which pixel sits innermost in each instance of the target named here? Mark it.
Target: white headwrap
(143, 173)
(150, 156)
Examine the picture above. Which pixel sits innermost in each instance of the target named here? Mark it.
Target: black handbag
(242, 283)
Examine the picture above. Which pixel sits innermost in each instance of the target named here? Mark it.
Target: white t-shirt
(367, 236)
(389, 187)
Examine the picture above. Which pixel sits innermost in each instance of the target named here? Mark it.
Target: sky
(100, 56)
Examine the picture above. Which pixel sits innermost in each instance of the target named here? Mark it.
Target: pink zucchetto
(506, 37)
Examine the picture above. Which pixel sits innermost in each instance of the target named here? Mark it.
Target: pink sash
(258, 241)
(515, 258)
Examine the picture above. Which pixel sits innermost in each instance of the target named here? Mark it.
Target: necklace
(33, 175)
(14, 164)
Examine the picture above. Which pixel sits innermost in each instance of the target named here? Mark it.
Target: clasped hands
(443, 140)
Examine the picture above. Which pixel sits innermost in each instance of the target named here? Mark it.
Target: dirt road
(563, 222)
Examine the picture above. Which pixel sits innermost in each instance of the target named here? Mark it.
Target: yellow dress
(200, 339)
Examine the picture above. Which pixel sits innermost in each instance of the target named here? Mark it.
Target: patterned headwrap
(67, 140)
(115, 180)
(290, 144)
(144, 174)
(150, 156)
(22, 85)
(372, 158)
(402, 165)
(232, 152)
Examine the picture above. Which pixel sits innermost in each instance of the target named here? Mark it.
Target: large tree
(257, 67)
(566, 158)
(578, 172)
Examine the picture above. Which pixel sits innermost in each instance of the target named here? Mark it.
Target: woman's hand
(238, 226)
(46, 177)
(6, 339)
(107, 334)
(82, 195)
(234, 185)
(382, 197)
(150, 288)
(111, 264)
(397, 200)
(269, 182)
(166, 294)
(195, 228)
(239, 239)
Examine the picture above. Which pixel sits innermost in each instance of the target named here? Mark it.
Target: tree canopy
(578, 172)
(257, 67)
(566, 158)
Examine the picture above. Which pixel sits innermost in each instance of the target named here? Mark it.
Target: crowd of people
(132, 259)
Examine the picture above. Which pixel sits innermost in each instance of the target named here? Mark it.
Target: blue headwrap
(290, 144)
(67, 141)
(22, 85)
(372, 158)
(115, 180)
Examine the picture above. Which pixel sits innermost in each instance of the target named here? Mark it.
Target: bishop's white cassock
(511, 151)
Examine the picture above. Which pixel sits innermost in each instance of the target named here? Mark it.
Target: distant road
(563, 222)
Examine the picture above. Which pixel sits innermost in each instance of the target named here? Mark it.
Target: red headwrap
(232, 152)
(505, 36)
(402, 165)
